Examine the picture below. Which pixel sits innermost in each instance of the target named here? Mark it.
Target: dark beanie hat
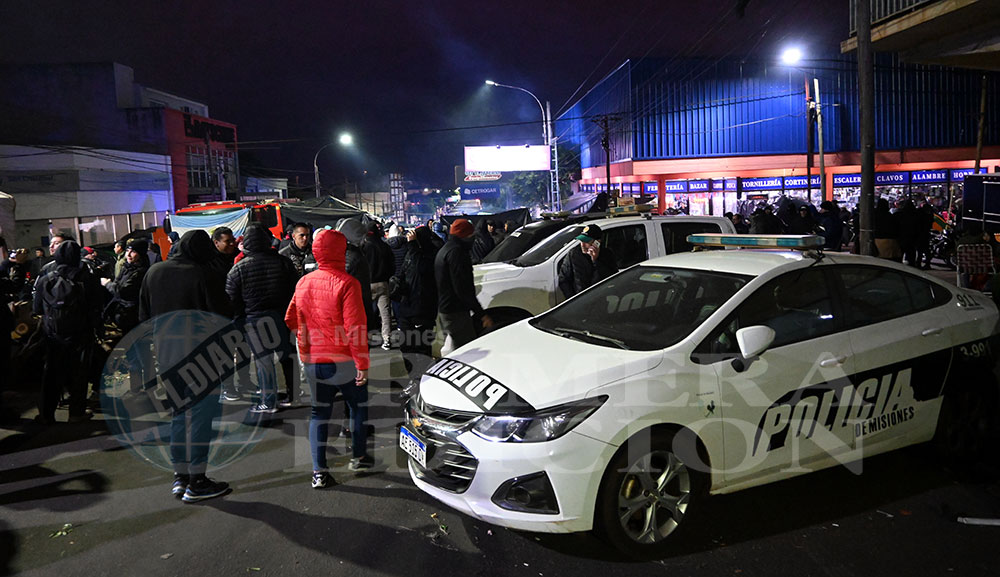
(462, 228)
(138, 245)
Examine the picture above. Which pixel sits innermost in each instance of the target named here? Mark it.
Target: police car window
(642, 308)
(675, 234)
(796, 305)
(628, 243)
(875, 294)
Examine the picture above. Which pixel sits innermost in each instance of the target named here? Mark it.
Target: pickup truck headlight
(543, 425)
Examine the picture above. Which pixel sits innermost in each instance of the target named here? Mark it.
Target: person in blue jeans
(329, 321)
(326, 382)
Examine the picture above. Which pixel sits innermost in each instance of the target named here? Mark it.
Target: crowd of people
(901, 233)
(337, 291)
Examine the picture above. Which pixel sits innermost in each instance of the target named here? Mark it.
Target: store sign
(884, 178)
(649, 188)
(480, 192)
(800, 181)
(919, 176)
(699, 185)
(959, 174)
(846, 180)
(767, 183)
(201, 129)
(675, 186)
(731, 184)
(482, 176)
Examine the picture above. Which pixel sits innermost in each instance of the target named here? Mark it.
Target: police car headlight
(544, 425)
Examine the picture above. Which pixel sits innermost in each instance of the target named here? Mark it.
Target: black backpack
(64, 307)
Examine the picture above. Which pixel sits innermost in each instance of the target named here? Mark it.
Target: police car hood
(520, 369)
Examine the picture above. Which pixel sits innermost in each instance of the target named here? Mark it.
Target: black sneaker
(181, 483)
(361, 463)
(262, 408)
(232, 396)
(322, 480)
(201, 488)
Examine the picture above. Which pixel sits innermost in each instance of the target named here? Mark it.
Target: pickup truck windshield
(548, 247)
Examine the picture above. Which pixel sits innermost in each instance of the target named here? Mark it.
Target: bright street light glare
(346, 139)
(491, 83)
(791, 56)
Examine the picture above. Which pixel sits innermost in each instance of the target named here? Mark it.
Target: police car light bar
(787, 241)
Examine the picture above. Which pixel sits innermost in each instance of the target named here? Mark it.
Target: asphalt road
(74, 501)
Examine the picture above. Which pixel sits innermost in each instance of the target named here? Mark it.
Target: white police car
(699, 373)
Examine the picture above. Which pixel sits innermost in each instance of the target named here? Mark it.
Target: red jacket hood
(330, 250)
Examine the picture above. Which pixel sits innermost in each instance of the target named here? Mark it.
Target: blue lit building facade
(707, 136)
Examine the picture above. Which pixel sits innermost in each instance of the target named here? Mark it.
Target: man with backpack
(69, 299)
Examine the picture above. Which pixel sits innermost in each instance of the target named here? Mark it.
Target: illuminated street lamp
(790, 57)
(555, 202)
(345, 139)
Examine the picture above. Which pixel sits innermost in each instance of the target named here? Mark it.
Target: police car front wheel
(650, 488)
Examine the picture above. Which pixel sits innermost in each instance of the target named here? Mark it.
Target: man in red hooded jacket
(328, 317)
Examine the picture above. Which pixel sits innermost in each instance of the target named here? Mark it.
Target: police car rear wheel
(646, 495)
(967, 423)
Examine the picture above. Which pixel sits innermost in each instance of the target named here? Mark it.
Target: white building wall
(93, 192)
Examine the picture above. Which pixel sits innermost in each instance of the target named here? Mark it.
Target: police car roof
(745, 261)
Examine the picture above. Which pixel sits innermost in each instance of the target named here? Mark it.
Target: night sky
(405, 78)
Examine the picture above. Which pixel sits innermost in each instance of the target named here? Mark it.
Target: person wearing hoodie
(483, 242)
(328, 318)
(123, 308)
(187, 282)
(382, 265)
(260, 285)
(69, 299)
(418, 304)
(356, 264)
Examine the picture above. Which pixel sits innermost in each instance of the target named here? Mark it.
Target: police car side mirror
(752, 342)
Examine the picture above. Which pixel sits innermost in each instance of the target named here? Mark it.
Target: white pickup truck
(529, 285)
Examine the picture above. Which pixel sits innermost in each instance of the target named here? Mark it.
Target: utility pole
(555, 199)
(982, 125)
(819, 130)
(604, 122)
(866, 94)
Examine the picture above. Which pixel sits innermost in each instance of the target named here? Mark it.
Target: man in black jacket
(187, 282)
(299, 248)
(457, 301)
(589, 265)
(260, 286)
(382, 265)
(70, 301)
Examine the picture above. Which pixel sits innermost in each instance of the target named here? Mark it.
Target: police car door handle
(930, 332)
(835, 361)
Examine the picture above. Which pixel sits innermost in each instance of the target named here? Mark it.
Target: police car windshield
(643, 308)
(548, 247)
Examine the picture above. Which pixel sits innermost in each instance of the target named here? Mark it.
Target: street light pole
(555, 202)
(316, 167)
(819, 131)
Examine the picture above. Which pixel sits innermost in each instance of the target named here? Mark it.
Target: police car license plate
(413, 446)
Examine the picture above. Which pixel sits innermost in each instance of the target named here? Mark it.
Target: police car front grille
(451, 467)
(449, 416)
